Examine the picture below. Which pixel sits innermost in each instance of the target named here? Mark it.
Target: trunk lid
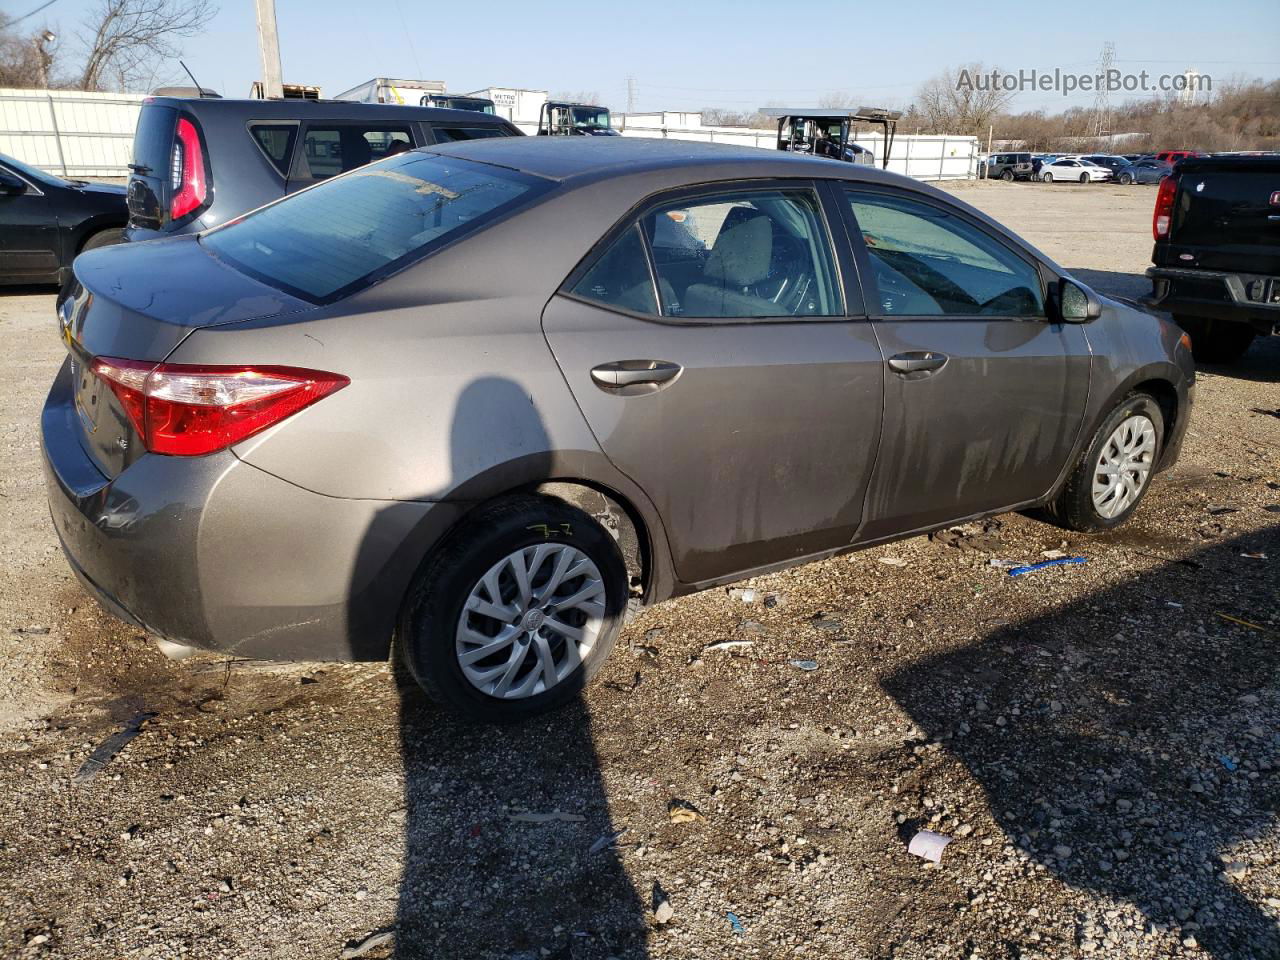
(138, 302)
(1226, 215)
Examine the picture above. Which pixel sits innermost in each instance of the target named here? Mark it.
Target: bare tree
(839, 100)
(129, 41)
(26, 59)
(578, 96)
(962, 100)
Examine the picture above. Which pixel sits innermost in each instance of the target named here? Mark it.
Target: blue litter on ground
(1060, 562)
(734, 922)
(1228, 763)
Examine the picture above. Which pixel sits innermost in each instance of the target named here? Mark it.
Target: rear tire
(1007, 176)
(1126, 179)
(451, 612)
(1115, 471)
(103, 238)
(1216, 341)
(1084, 178)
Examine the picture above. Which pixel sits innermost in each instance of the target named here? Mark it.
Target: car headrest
(743, 253)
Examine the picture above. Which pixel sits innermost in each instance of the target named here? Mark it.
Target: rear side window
(450, 134)
(327, 151)
(337, 237)
(621, 278)
(276, 141)
(153, 139)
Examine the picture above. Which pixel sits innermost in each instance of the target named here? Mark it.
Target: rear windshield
(346, 233)
(153, 139)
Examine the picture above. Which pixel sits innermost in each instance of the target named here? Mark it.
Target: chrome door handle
(917, 361)
(626, 373)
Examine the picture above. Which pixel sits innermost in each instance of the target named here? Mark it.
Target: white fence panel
(70, 132)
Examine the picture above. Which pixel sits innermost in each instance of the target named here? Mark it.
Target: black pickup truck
(1217, 252)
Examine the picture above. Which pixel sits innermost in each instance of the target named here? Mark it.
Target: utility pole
(631, 94)
(269, 47)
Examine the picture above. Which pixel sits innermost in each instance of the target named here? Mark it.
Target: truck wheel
(1216, 341)
(1109, 481)
(1007, 176)
(516, 612)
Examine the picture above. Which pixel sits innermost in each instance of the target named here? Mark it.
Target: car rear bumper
(214, 553)
(1246, 298)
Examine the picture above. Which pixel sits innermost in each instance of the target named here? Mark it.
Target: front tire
(516, 612)
(1084, 178)
(1047, 178)
(1115, 471)
(1126, 179)
(1216, 341)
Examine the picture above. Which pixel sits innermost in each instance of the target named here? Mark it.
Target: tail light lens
(189, 186)
(185, 410)
(1163, 215)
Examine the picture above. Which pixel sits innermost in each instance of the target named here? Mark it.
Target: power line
(631, 94)
(48, 3)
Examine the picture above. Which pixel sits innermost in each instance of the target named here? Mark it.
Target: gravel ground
(1101, 742)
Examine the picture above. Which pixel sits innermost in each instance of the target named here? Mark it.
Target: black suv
(1009, 166)
(200, 162)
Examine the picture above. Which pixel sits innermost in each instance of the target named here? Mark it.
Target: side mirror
(1076, 303)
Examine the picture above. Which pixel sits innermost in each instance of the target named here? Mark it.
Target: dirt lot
(1101, 741)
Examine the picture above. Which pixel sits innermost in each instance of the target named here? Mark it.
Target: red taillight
(186, 175)
(186, 410)
(1163, 216)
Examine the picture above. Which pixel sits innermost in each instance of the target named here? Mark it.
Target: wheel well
(1167, 399)
(618, 517)
(93, 231)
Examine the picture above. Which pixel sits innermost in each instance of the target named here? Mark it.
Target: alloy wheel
(529, 622)
(1124, 466)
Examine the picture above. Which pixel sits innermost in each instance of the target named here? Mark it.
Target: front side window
(928, 262)
(338, 236)
(327, 151)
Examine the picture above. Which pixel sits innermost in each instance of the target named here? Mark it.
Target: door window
(450, 134)
(756, 253)
(928, 262)
(327, 151)
(621, 278)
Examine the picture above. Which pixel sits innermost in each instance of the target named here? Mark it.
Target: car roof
(296, 109)
(585, 159)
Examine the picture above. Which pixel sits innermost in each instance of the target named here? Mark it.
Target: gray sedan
(486, 397)
(1143, 171)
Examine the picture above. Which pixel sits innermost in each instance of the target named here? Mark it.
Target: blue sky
(738, 55)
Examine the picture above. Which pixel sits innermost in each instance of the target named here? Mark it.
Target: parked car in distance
(1009, 166)
(1074, 169)
(1217, 252)
(199, 162)
(1142, 171)
(1173, 156)
(1113, 163)
(46, 221)
(462, 395)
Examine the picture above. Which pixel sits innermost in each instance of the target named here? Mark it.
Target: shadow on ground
(1136, 743)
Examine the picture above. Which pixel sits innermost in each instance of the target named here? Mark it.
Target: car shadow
(506, 827)
(1124, 743)
(28, 289)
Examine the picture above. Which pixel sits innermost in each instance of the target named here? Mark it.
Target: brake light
(1163, 215)
(186, 410)
(186, 174)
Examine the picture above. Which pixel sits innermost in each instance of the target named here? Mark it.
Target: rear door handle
(917, 361)
(626, 373)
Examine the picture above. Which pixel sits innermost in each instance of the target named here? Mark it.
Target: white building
(389, 90)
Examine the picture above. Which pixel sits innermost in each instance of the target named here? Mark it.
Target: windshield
(32, 173)
(590, 117)
(348, 232)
